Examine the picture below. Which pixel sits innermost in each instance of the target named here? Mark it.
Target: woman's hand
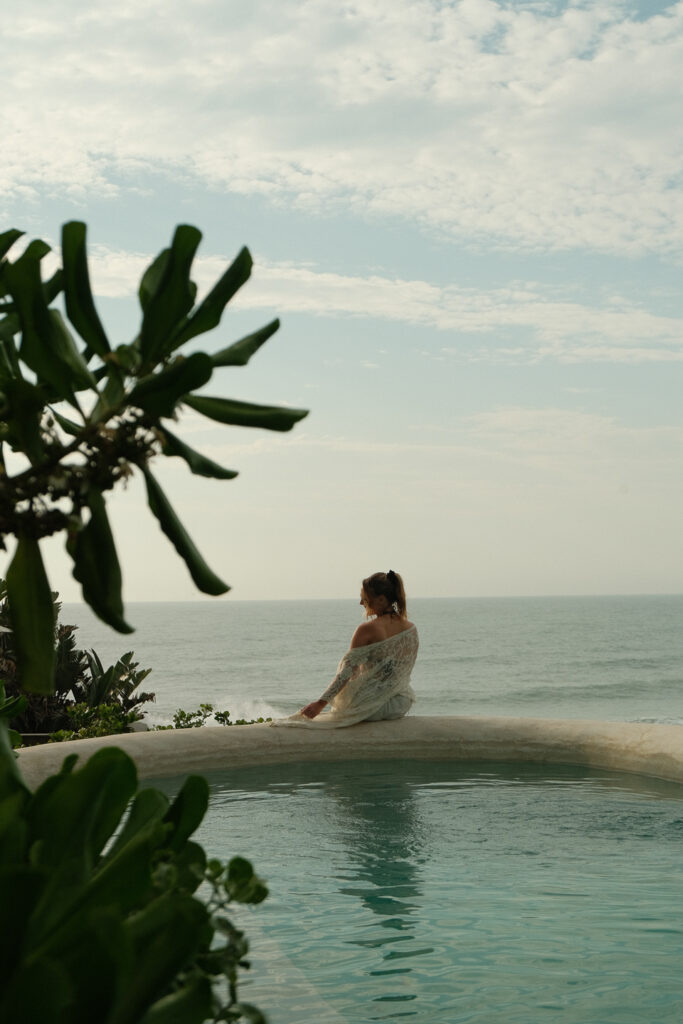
(313, 709)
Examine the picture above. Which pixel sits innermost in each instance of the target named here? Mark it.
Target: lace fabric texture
(367, 677)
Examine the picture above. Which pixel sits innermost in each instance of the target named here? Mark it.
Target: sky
(468, 216)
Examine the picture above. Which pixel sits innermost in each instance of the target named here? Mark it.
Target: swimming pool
(457, 892)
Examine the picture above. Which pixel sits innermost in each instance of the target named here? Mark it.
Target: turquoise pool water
(441, 893)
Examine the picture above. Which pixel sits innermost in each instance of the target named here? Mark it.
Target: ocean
(605, 658)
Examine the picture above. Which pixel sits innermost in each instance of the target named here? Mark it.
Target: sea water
(607, 658)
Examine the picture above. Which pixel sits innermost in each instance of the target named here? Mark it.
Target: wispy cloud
(519, 323)
(535, 126)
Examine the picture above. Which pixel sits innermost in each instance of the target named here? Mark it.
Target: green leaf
(242, 884)
(244, 414)
(65, 345)
(47, 347)
(75, 813)
(53, 286)
(32, 616)
(171, 295)
(80, 305)
(51, 994)
(128, 358)
(112, 394)
(7, 240)
(204, 578)
(199, 464)
(96, 565)
(166, 934)
(24, 406)
(67, 425)
(148, 808)
(152, 277)
(209, 312)
(187, 811)
(9, 326)
(159, 393)
(240, 352)
(11, 780)
(190, 1004)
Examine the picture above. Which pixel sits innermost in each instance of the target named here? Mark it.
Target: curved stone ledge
(651, 750)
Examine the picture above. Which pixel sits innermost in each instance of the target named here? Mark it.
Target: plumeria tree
(85, 415)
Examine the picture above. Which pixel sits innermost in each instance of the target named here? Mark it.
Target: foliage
(9, 707)
(195, 719)
(80, 680)
(100, 918)
(101, 720)
(121, 400)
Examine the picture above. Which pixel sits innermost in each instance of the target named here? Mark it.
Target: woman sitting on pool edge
(372, 683)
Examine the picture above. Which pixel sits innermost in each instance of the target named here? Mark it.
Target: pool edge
(641, 748)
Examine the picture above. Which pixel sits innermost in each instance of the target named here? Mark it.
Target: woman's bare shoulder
(366, 633)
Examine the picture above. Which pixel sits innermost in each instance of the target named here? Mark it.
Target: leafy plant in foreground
(100, 917)
(121, 400)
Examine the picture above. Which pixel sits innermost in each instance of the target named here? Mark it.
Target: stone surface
(652, 750)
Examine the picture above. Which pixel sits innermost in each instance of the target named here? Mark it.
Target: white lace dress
(372, 683)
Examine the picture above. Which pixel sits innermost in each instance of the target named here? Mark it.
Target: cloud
(526, 125)
(520, 323)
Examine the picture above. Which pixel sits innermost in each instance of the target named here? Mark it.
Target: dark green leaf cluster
(101, 918)
(88, 700)
(86, 722)
(119, 399)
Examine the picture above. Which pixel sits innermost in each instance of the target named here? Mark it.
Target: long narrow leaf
(25, 404)
(67, 425)
(32, 616)
(7, 240)
(46, 346)
(96, 565)
(159, 393)
(53, 286)
(111, 396)
(244, 414)
(65, 346)
(152, 277)
(173, 297)
(198, 463)
(239, 353)
(209, 312)
(204, 578)
(80, 305)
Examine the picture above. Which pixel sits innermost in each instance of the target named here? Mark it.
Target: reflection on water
(486, 893)
(380, 827)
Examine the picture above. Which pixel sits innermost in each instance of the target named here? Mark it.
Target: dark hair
(389, 585)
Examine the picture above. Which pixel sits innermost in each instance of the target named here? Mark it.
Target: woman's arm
(361, 638)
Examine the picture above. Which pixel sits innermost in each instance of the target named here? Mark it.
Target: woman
(372, 683)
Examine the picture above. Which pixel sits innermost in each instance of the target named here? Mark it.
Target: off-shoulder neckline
(386, 639)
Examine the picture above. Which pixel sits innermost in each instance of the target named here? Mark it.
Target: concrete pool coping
(644, 749)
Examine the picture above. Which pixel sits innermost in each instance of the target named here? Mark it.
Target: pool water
(440, 893)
